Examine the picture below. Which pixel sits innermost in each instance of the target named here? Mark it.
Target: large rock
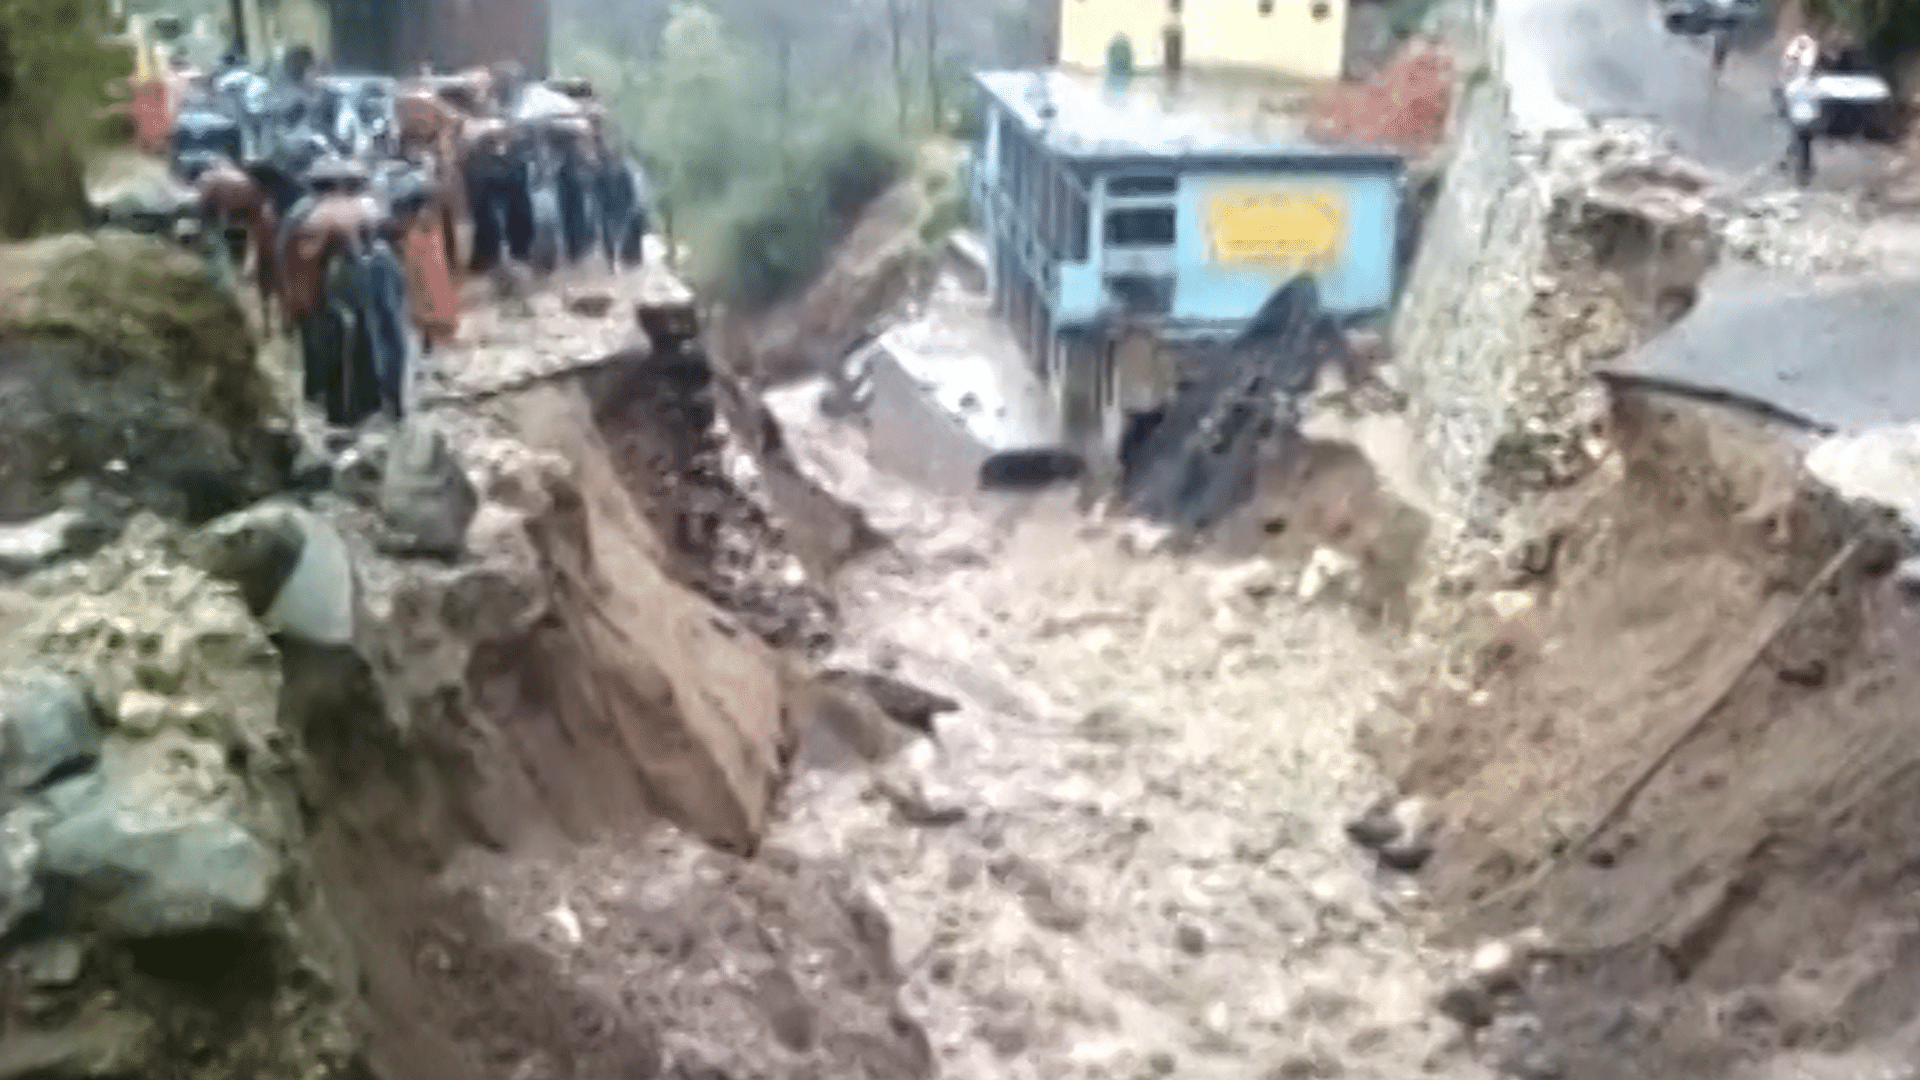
(426, 499)
(256, 549)
(291, 566)
(48, 729)
(20, 891)
(123, 361)
(152, 854)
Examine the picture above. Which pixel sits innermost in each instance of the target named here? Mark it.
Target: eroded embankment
(240, 756)
(1665, 723)
(1677, 738)
(649, 688)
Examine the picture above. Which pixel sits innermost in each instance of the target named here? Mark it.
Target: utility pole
(936, 107)
(897, 32)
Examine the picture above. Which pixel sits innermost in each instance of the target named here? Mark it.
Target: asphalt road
(1840, 355)
(1837, 353)
(1611, 58)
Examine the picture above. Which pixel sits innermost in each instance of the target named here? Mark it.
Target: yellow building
(1297, 38)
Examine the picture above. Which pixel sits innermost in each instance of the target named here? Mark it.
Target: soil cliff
(260, 712)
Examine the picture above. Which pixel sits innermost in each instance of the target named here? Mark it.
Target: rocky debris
(1803, 232)
(1493, 982)
(143, 803)
(779, 965)
(109, 1044)
(426, 500)
(123, 363)
(51, 730)
(1399, 832)
(905, 702)
(30, 545)
(257, 549)
(588, 305)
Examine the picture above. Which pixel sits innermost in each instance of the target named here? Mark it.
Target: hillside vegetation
(767, 125)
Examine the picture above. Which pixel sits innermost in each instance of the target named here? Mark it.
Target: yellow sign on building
(1276, 227)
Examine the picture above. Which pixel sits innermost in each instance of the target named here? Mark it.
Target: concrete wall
(1300, 38)
(1460, 334)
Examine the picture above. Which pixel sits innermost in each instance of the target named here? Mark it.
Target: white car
(1854, 99)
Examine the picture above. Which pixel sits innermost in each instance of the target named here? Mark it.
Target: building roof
(1203, 115)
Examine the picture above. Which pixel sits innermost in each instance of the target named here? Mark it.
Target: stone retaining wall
(1459, 333)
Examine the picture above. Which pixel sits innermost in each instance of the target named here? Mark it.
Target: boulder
(426, 499)
(123, 362)
(49, 729)
(20, 891)
(148, 861)
(256, 549)
(29, 545)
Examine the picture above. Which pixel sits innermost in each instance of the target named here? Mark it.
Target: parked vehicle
(1695, 18)
(1856, 101)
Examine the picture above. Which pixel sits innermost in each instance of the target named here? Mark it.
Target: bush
(772, 232)
(757, 179)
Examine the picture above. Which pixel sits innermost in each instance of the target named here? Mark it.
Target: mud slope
(1676, 734)
(600, 674)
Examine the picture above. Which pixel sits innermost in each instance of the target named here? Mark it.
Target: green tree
(58, 71)
(1890, 29)
(755, 176)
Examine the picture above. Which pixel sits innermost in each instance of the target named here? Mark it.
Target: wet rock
(54, 962)
(256, 549)
(112, 1045)
(1468, 1004)
(359, 467)
(1412, 844)
(1518, 1046)
(1375, 827)
(1398, 831)
(51, 729)
(1050, 900)
(903, 701)
(20, 854)
(1327, 573)
(1502, 966)
(31, 545)
(918, 799)
(315, 602)
(311, 471)
(589, 305)
(1255, 579)
(1189, 938)
(1907, 575)
(151, 866)
(842, 716)
(426, 500)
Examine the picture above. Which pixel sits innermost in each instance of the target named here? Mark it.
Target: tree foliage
(58, 72)
(756, 177)
(1890, 29)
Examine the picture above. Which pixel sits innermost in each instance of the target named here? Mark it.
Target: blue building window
(1127, 187)
(1142, 226)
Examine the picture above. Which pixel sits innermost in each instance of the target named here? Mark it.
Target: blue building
(1183, 206)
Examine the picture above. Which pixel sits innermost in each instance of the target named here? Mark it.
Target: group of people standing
(364, 199)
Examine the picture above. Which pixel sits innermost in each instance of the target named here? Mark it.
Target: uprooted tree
(58, 73)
